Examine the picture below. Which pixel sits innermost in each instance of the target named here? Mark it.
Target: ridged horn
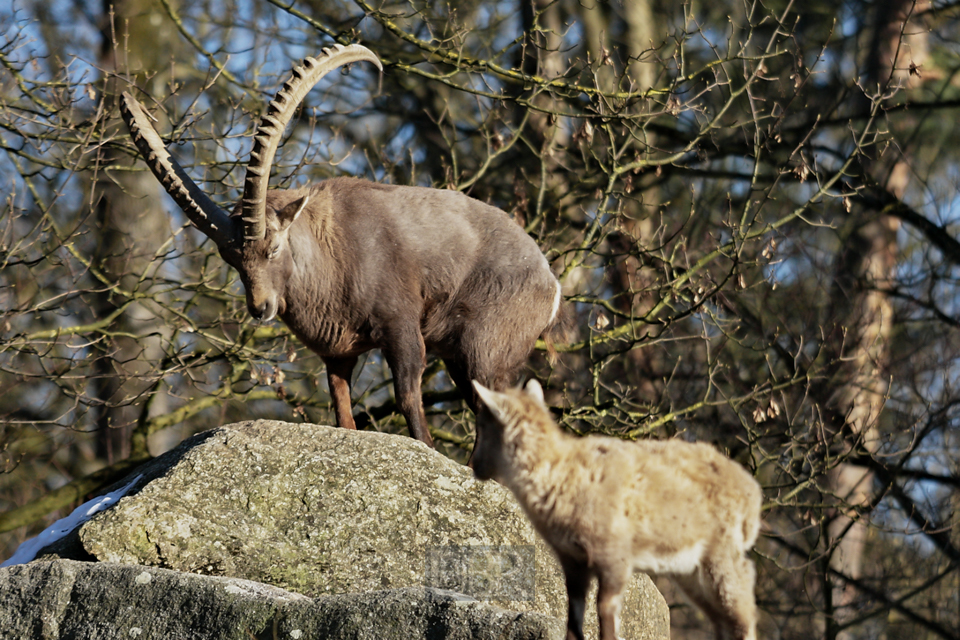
(279, 112)
(207, 216)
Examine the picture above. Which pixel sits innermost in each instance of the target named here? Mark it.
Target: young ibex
(610, 507)
(351, 265)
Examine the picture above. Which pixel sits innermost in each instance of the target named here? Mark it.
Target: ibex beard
(351, 265)
(611, 507)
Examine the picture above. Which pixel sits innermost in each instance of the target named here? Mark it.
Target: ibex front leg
(407, 357)
(613, 580)
(339, 372)
(578, 582)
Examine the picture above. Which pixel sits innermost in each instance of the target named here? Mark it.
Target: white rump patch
(556, 304)
(681, 562)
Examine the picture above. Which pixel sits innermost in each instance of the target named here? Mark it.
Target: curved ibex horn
(207, 216)
(279, 112)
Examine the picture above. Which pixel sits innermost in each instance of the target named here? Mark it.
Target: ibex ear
(491, 399)
(487, 396)
(534, 390)
(289, 214)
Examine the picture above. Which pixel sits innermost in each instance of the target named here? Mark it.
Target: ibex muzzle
(351, 265)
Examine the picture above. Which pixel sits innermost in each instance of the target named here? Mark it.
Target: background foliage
(752, 208)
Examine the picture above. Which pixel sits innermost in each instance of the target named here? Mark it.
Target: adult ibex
(351, 265)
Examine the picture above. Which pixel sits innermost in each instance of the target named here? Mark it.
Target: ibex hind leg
(458, 372)
(495, 351)
(406, 356)
(736, 578)
(723, 590)
(498, 345)
(484, 371)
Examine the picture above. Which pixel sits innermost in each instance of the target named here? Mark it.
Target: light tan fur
(610, 507)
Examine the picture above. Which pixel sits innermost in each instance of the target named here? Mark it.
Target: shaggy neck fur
(537, 470)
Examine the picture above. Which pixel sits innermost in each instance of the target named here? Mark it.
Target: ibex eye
(274, 253)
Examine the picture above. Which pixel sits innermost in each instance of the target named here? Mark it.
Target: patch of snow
(27, 551)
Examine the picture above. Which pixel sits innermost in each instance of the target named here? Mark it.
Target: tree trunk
(865, 271)
(638, 217)
(132, 225)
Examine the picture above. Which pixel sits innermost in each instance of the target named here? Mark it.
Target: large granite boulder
(104, 601)
(319, 510)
